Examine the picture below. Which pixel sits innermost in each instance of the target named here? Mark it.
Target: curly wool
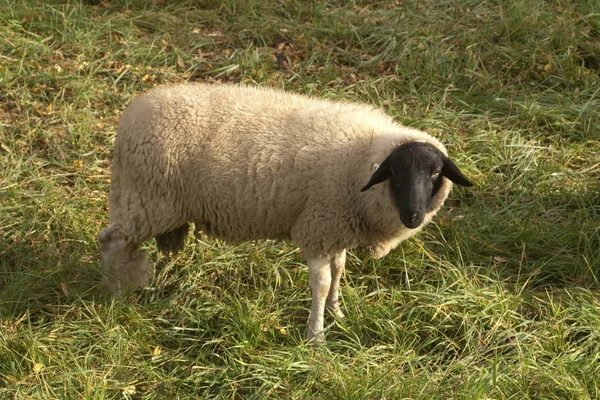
(248, 163)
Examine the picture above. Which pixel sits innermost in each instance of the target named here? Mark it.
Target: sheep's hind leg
(172, 241)
(337, 265)
(320, 282)
(125, 264)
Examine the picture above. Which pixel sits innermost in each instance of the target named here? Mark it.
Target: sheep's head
(416, 171)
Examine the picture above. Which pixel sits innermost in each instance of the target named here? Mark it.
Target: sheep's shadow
(552, 243)
(33, 279)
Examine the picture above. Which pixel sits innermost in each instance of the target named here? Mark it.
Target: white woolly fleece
(252, 163)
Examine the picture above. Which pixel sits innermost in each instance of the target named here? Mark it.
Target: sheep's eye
(435, 175)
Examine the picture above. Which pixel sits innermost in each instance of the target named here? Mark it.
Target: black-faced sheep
(246, 163)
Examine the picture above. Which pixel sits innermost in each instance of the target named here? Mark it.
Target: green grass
(498, 299)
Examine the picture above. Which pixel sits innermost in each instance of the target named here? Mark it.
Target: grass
(498, 299)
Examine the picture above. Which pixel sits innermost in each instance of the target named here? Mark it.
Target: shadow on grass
(545, 240)
(33, 279)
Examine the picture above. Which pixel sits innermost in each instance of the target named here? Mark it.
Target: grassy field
(498, 299)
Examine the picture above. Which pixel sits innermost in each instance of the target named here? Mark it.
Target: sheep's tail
(172, 241)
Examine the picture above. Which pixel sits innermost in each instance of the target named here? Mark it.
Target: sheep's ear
(451, 171)
(380, 175)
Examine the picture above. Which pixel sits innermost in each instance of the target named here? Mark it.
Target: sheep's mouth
(411, 226)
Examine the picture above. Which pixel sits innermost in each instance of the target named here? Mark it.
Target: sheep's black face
(416, 171)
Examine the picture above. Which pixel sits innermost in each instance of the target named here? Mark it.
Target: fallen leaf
(129, 390)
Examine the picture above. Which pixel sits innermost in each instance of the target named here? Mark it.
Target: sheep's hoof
(315, 338)
(336, 312)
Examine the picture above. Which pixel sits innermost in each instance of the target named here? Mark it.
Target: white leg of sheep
(337, 265)
(320, 282)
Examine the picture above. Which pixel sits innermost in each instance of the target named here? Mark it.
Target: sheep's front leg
(320, 282)
(337, 265)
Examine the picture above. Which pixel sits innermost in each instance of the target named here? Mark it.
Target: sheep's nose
(411, 219)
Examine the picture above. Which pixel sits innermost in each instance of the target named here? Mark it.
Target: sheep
(244, 163)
